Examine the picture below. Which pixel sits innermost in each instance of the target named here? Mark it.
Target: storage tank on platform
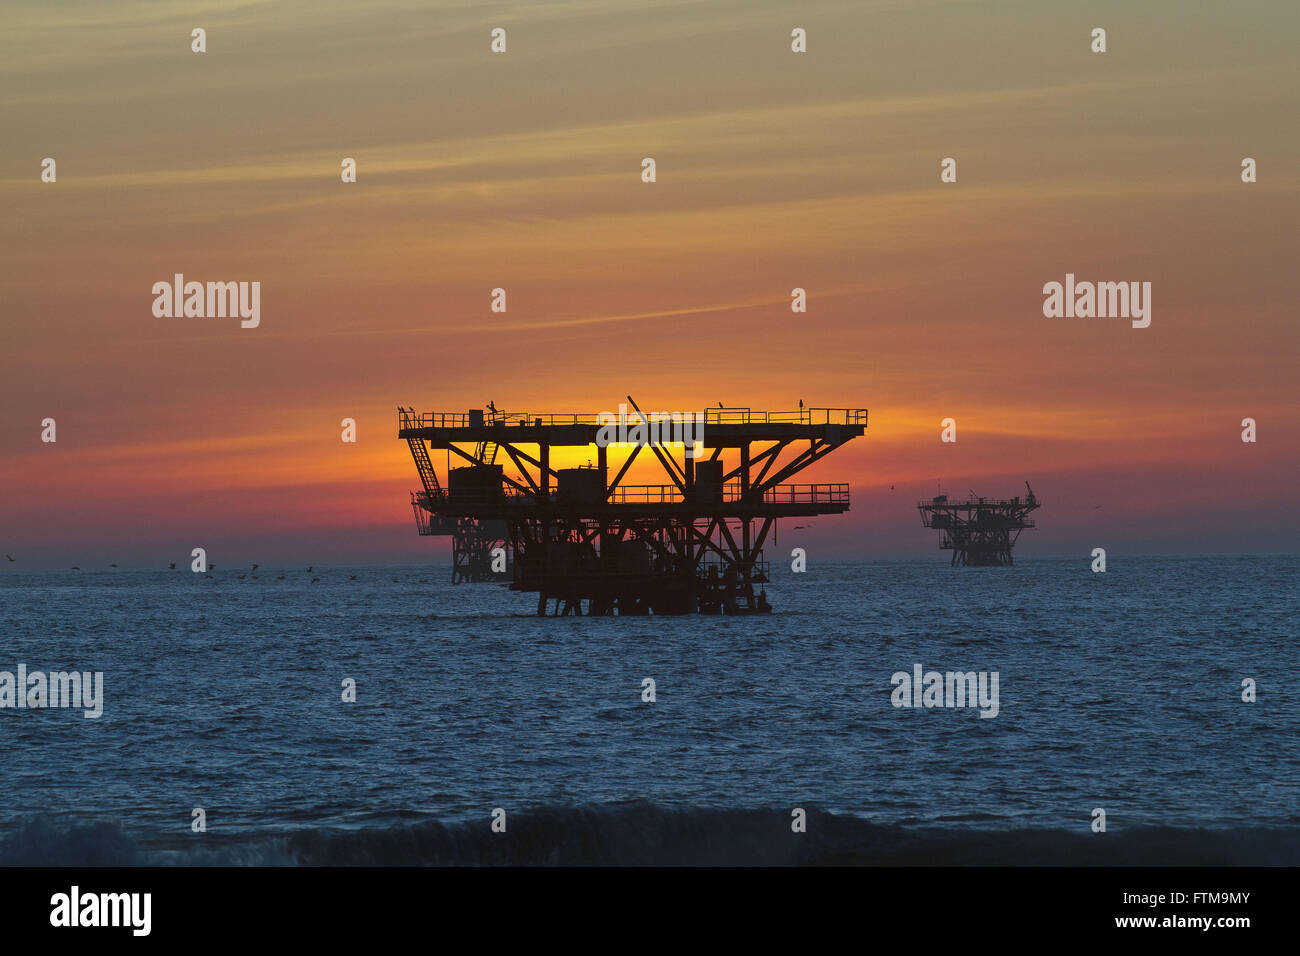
(708, 482)
(579, 486)
(475, 483)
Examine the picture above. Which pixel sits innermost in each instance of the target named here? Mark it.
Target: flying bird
(172, 566)
(11, 557)
(112, 565)
(75, 568)
(309, 567)
(256, 566)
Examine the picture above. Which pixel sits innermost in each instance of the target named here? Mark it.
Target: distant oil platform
(580, 537)
(979, 531)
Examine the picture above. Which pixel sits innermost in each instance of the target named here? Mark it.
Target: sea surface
(1120, 691)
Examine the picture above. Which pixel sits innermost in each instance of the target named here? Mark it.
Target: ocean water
(1120, 690)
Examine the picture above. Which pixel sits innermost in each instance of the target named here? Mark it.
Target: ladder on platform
(428, 477)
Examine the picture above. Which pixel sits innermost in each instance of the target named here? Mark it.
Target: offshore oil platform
(980, 532)
(578, 536)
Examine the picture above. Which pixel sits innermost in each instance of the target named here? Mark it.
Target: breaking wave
(649, 835)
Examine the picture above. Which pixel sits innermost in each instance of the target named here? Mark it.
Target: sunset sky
(775, 170)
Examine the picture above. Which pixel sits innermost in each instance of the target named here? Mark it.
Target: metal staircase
(428, 477)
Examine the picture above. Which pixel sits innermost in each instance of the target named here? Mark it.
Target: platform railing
(929, 504)
(802, 416)
(409, 418)
(823, 493)
(646, 494)
(732, 491)
(537, 419)
(820, 493)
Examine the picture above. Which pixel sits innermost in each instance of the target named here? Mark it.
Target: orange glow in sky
(774, 171)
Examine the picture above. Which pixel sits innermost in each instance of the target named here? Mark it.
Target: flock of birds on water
(212, 567)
